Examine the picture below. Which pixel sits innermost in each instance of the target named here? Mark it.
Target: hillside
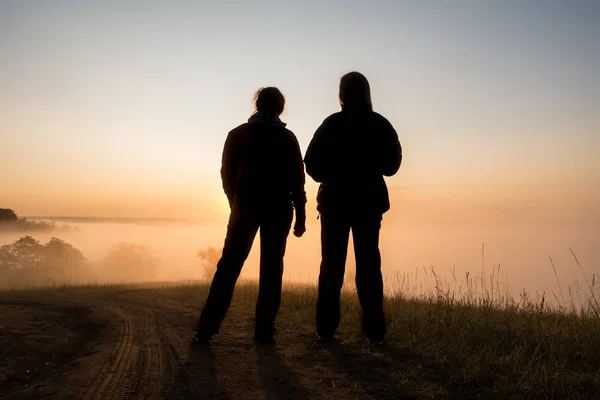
(133, 342)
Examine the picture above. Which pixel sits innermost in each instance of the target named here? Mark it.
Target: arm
(297, 176)
(229, 167)
(391, 150)
(297, 186)
(316, 154)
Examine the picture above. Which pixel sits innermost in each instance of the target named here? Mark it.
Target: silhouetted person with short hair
(263, 178)
(349, 155)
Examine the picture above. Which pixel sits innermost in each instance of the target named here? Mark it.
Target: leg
(369, 282)
(335, 231)
(241, 231)
(274, 231)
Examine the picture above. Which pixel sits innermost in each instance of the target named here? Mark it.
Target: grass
(462, 339)
(477, 345)
(470, 337)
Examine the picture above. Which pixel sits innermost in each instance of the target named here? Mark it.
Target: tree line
(27, 262)
(11, 222)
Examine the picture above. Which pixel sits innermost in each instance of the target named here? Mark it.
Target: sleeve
(315, 158)
(297, 177)
(391, 150)
(229, 166)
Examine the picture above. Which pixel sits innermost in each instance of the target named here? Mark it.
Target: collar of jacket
(260, 117)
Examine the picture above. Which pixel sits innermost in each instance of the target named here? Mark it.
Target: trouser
(335, 231)
(243, 225)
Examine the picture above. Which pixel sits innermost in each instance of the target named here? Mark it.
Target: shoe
(325, 338)
(264, 335)
(264, 339)
(200, 338)
(376, 341)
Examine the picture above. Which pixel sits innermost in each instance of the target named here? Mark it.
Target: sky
(121, 108)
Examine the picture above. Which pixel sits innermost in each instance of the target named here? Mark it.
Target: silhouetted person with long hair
(263, 178)
(349, 155)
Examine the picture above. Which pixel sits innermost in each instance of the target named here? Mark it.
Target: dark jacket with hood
(262, 166)
(349, 155)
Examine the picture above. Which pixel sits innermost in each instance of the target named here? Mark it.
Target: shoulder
(382, 121)
(333, 118)
(237, 133)
(380, 118)
(289, 134)
(239, 129)
(331, 122)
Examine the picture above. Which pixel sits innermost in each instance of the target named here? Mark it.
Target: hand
(299, 228)
(300, 225)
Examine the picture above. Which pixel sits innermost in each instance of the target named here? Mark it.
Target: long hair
(269, 101)
(355, 92)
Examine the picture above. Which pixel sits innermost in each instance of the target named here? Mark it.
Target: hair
(355, 91)
(269, 101)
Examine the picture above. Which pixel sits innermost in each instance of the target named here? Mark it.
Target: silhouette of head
(355, 92)
(269, 101)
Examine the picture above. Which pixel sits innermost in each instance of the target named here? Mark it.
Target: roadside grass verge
(465, 347)
(460, 340)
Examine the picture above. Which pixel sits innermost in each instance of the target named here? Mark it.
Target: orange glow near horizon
(102, 117)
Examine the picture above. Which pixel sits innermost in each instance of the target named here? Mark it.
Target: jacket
(262, 167)
(349, 155)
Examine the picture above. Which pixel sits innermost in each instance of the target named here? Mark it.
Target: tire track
(150, 373)
(175, 380)
(108, 377)
(193, 369)
(150, 356)
(160, 368)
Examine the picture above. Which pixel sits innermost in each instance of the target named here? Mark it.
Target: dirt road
(134, 343)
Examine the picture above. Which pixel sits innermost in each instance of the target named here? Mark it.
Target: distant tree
(128, 263)
(65, 260)
(210, 257)
(10, 222)
(27, 262)
(9, 266)
(6, 214)
(25, 254)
